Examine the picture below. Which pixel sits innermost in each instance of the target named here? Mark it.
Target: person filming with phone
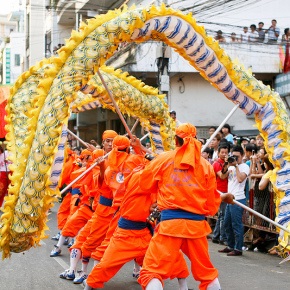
(237, 176)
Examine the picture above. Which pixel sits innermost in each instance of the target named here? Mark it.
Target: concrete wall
(261, 58)
(193, 98)
(201, 104)
(17, 44)
(36, 51)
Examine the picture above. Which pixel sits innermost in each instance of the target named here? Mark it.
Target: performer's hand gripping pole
(84, 173)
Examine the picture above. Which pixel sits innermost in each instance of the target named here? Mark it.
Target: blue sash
(171, 214)
(75, 191)
(131, 225)
(105, 201)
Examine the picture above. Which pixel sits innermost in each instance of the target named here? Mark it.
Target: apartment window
(17, 60)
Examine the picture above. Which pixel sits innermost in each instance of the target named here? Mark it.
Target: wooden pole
(258, 214)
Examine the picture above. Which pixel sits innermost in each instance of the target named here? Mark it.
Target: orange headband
(121, 142)
(189, 153)
(185, 130)
(85, 152)
(109, 134)
(98, 153)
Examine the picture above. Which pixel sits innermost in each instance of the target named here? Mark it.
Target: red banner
(4, 93)
(286, 67)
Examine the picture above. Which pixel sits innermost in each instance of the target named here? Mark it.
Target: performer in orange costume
(93, 233)
(132, 235)
(84, 211)
(186, 188)
(121, 163)
(66, 207)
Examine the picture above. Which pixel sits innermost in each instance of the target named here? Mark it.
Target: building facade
(193, 98)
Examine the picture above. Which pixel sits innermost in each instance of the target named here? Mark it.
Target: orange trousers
(99, 227)
(66, 209)
(77, 221)
(99, 252)
(164, 251)
(83, 234)
(124, 246)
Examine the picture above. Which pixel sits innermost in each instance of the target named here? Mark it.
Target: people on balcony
(273, 32)
(261, 32)
(219, 36)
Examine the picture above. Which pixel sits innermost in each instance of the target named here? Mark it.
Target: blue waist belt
(131, 225)
(171, 214)
(75, 191)
(105, 201)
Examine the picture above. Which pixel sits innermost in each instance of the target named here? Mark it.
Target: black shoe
(235, 253)
(215, 241)
(225, 250)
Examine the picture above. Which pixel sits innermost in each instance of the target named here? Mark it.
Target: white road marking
(278, 272)
(62, 262)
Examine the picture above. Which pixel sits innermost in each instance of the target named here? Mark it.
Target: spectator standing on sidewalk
(237, 176)
(259, 141)
(211, 130)
(207, 154)
(226, 130)
(214, 144)
(173, 116)
(220, 169)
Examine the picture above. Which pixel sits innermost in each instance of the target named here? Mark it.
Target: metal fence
(262, 202)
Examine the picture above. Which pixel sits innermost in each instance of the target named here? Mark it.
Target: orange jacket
(136, 203)
(192, 190)
(115, 176)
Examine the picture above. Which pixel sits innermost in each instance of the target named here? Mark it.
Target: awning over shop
(4, 93)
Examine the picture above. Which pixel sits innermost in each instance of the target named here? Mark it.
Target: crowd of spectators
(252, 170)
(256, 34)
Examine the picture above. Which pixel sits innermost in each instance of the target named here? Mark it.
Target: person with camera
(220, 168)
(234, 228)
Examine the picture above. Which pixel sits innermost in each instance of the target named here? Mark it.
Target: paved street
(36, 270)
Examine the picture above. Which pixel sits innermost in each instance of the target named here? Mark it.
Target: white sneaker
(55, 252)
(136, 273)
(82, 276)
(67, 274)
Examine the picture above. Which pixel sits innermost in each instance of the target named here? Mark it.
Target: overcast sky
(264, 10)
(7, 5)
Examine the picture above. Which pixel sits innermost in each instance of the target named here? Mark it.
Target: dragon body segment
(42, 99)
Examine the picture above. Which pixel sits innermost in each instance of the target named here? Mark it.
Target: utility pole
(163, 54)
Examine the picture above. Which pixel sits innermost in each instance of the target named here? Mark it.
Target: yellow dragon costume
(43, 97)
